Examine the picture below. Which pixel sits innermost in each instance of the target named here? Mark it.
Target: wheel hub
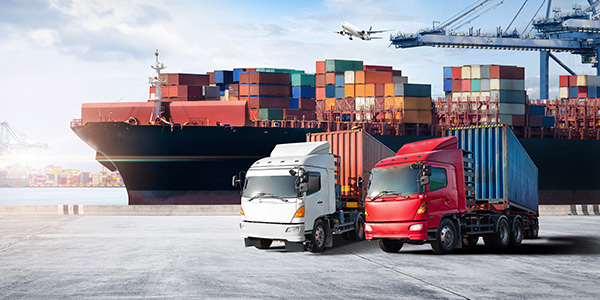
(447, 236)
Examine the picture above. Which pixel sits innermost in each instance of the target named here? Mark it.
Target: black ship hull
(195, 164)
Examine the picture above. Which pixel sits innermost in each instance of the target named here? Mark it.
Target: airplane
(352, 31)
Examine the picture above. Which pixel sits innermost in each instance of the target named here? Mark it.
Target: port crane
(576, 32)
(14, 141)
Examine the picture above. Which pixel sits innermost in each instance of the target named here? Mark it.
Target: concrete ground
(195, 257)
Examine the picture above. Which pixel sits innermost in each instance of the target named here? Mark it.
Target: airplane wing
(375, 38)
(378, 31)
(343, 32)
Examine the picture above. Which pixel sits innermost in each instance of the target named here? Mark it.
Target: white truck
(294, 196)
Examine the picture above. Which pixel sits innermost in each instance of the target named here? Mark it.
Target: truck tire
(318, 237)
(516, 234)
(502, 236)
(446, 237)
(470, 241)
(534, 229)
(358, 234)
(264, 244)
(390, 246)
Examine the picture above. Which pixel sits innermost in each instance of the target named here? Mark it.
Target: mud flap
(251, 242)
(329, 235)
(294, 247)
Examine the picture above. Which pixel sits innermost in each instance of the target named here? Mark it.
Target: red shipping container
(264, 102)
(563, 80)
(189, 91)
(307, 104)
(233, 113)
(359, 152)
(291, 114)
(378, 77)
(582, 92)
(188, 79)
(518, 120)
(244, 78)
(211, 76)
(307, 115)
(234, 90)
(507, 72)
(253, 114)
(320, 93)
(270, 90)
(119, 111)
(573, 80)
(345, 104)
(379, 90)
(456, 85)
(330, 78)
(397, 73)
(269, 78)
(244, 90)
(456, 72)
(320, 80)
(320, 67)
(534, 121)
(379, 103)
(377, 68)
(245, 98)
(466, 85)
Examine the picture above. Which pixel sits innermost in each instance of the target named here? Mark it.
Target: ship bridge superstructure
(576, 32)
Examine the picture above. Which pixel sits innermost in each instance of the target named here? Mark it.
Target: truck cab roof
(298, 154)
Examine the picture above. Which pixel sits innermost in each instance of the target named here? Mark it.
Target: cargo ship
(198, 130)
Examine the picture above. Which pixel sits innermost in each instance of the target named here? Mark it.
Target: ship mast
(156, 81)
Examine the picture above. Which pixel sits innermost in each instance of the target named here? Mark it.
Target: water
(56, 195)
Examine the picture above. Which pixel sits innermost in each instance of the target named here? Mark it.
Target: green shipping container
(340, 66)
(475, 85)
(267, 114)
(303, 79)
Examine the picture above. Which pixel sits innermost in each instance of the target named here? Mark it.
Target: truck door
(442, 196)
(315, 201)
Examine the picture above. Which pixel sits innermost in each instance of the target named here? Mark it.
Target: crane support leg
(558, 61)
(544, 63)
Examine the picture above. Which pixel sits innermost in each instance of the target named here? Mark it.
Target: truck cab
(285, 194)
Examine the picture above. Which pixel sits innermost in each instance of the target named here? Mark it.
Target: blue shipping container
(447, 72)
(447, 85)
(537, 110)
(548, 121)
(592, 92)
(339, 80)
(330, 91)
(236, 74)
(339, 93)
(224, 77)
(294, 103)
(573, 92)
(416, 90)
(503, 169)
(303, 92)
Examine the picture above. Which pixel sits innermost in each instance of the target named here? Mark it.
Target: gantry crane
(577, 32)
(11, 139)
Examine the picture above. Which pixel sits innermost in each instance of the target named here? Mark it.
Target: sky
(57, 54)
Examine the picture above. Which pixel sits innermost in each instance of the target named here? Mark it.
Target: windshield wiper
(267, 195)
(385, 193)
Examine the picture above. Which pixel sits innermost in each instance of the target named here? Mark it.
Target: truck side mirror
(303, 175)
(360, 182)
(303, 187)
(235, 181)
(424, 180)
(427, 170)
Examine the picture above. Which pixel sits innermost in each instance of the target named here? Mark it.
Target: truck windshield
(280, 186)
(400, 180)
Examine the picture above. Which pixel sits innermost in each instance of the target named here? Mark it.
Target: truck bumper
(396, 230)
(282, 232)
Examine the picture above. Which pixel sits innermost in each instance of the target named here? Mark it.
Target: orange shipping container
(417, 116)
(244, 78)
(329, 104)
(378, 77)
(359, 90)
(320, 93)
(330, 78)
(244, 90)
(415, 103)
(391, 103)
(320, 80)
(359, 152)
(359, 77)
(389, 89)
(369, 90)
(320, 67)
(349, 90)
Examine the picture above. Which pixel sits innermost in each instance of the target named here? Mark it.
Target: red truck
(449, 191)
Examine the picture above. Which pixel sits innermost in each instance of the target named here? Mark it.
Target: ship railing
(76, 122)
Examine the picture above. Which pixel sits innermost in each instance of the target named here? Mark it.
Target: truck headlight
(293, 229)
(368, 228)
(242, 226)
(415, 227)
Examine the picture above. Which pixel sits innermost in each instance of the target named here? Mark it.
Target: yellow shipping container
(370, 90)
(417, 116)
(359, 90)
(391, 103)
(415, 103)
(349, 90)
(389, 89)
(329, 104)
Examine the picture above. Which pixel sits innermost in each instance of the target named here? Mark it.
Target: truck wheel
(502, 236)
(533, 231)
(516, 234)
(470, 241)
(445, 237)
(318, 237)
(264, 244)
(358, 234)
(390, 246)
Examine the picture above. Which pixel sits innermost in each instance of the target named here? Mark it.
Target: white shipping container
(475, 96)
(563, 92)
(456, 96)
(485, 96)
(466, 72)
(465, 96)
(349, 77)
(475, 71)
(511, 109)
(581, 80)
